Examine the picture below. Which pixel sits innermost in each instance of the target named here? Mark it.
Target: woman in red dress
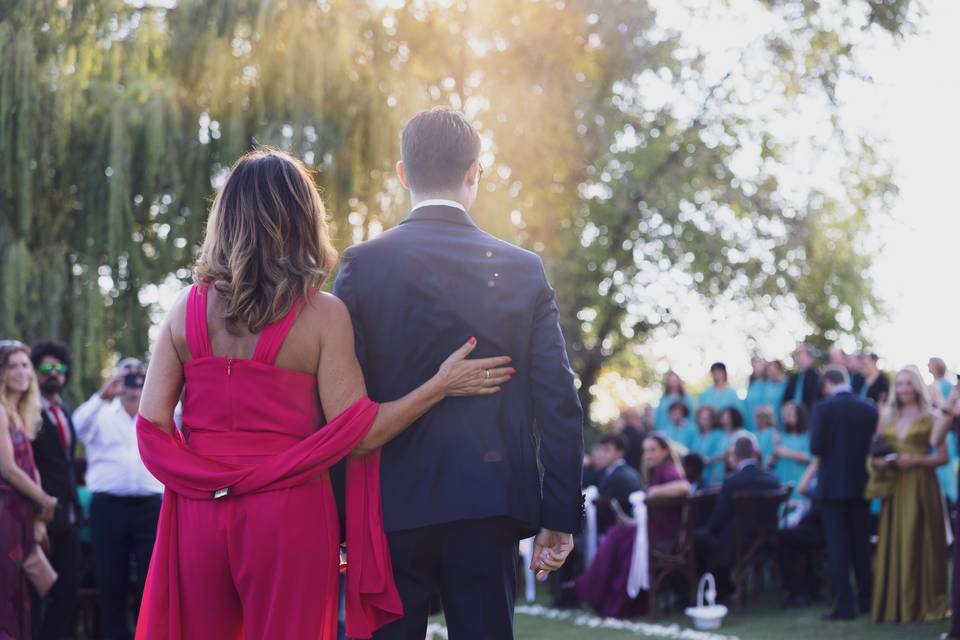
(247, 544)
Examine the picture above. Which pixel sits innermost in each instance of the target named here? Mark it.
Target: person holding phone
(126, 497)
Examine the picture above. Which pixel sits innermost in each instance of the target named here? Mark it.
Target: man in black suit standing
(841, 430)
(803, 387)
(54, 450)
(616, 479)
(473, 476)
(715, 542)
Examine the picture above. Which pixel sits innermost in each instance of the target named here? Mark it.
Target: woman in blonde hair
(24, 506)
(273, 395)
(910, 582)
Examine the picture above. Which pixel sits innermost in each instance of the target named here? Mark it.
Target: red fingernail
(472, 341)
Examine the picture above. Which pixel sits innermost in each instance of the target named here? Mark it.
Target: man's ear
(402, 174)
(473, 173)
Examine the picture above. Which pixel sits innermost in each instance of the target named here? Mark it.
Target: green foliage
(118, 119)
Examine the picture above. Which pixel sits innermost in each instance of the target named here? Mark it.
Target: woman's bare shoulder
(327, 312)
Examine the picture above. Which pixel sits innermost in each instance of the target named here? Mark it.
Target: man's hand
(111, 388)
(550, 551)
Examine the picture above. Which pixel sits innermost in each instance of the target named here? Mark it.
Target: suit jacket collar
(440, 213)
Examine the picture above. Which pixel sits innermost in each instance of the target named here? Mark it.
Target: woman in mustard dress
(910, 582)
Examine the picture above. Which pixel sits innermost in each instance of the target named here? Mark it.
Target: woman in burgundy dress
(247, 544)
(604, 585)
(21, 526)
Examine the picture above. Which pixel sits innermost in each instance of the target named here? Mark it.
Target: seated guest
(715, 542)
(680, 429)
(692, 464)
(616, 481)
(663, 476)
(801, 546)
(711, 444)
(604, 585)
(591, 473)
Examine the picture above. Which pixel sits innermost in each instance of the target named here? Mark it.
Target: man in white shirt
(126, 498)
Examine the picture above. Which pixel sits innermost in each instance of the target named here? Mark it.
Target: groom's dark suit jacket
(416, 294)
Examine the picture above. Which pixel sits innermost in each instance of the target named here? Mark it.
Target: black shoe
(837, 615)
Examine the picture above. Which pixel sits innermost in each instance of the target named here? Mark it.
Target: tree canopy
(615, 147)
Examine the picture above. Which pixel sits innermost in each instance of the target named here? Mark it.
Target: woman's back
(247, 394)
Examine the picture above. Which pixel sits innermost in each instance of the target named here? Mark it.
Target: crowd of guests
(866, 456)
(871, 459)
(76, 519)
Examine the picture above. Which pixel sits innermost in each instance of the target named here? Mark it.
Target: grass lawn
(762, 620)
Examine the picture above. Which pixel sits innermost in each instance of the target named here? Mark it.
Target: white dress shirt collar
(439, 202)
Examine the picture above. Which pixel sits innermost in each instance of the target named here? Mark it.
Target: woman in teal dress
(711, 445)
(673, 391)
(791, 453)
(775, 388)
(680, 429)
(720, 395)
(756, 393)
(766, 433)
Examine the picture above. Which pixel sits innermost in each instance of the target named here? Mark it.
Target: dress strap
(272, 337)
(198, 337)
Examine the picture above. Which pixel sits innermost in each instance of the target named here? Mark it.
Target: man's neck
(51, 398)
(720, 386)
(131, 409)
(613, 465)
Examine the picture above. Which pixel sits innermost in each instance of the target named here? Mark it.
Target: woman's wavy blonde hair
(267, 242)
(27, 408)
(894, 406)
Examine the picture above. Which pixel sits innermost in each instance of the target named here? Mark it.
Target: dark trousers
(471, 564)
(121, 527)
(796, 549)
(55, 617)
(846, 526)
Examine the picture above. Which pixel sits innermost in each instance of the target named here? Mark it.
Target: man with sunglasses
(54, 450)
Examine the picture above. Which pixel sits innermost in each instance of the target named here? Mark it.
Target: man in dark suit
(841, 430)
(474, 475)
(616, 479)
(715, 542)
(54, 450)
(803, 387)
